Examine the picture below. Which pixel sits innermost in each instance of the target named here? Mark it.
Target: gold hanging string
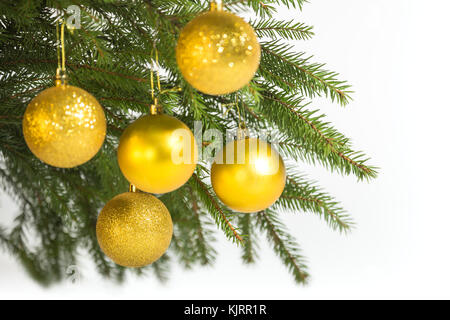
(242, 127)
(232, 105)
(152, 81)
(158, 80)
(243, 132)
(61, 51)
(229, 107)
(58, 50)
(155, 108)
(155, 69)
(238, 109)
(176, 89)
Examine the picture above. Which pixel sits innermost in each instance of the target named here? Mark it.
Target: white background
(396, 55)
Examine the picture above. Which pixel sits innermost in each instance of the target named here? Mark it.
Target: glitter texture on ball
(64, 126)
(134, 229)
(218, 53)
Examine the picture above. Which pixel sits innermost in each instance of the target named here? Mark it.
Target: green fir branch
(303, 195)
(307, 137)
(310, 79)
(250, 245)
(284, 244)
(220, 213)
(289, 30)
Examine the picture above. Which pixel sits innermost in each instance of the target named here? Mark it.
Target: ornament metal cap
(61, 77)
(155, 108)
(216, 6)
(243, 132)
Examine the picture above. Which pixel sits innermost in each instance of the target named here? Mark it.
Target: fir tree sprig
(193, 237)
(220, 213)
(310, 79)
(288, 30)
(263, 8)
(305, 196)
(311, 138)
(246, 223)
(284, 244)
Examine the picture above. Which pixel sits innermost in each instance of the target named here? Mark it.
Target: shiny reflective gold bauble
(64, 126)
(218, 52)
(157, 153)
(134, 229)
(248, 175)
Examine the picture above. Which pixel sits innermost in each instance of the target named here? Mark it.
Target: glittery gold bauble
(134, 229)
(157, 153)
(248, 175)
(218, 52)
(64, 126)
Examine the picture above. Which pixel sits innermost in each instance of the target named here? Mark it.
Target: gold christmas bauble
(218, 52)
(157, 153)
(248, 175)
(64, 126)
(134, 229)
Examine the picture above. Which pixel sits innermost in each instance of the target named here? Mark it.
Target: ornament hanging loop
(216, 6)
(243, 132)
(61, 75)
(155, 108)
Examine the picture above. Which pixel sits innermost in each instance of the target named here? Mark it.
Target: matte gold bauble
(134, 229)
(248, 175)
(64, 126)
(218, 52)
(157, 153)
